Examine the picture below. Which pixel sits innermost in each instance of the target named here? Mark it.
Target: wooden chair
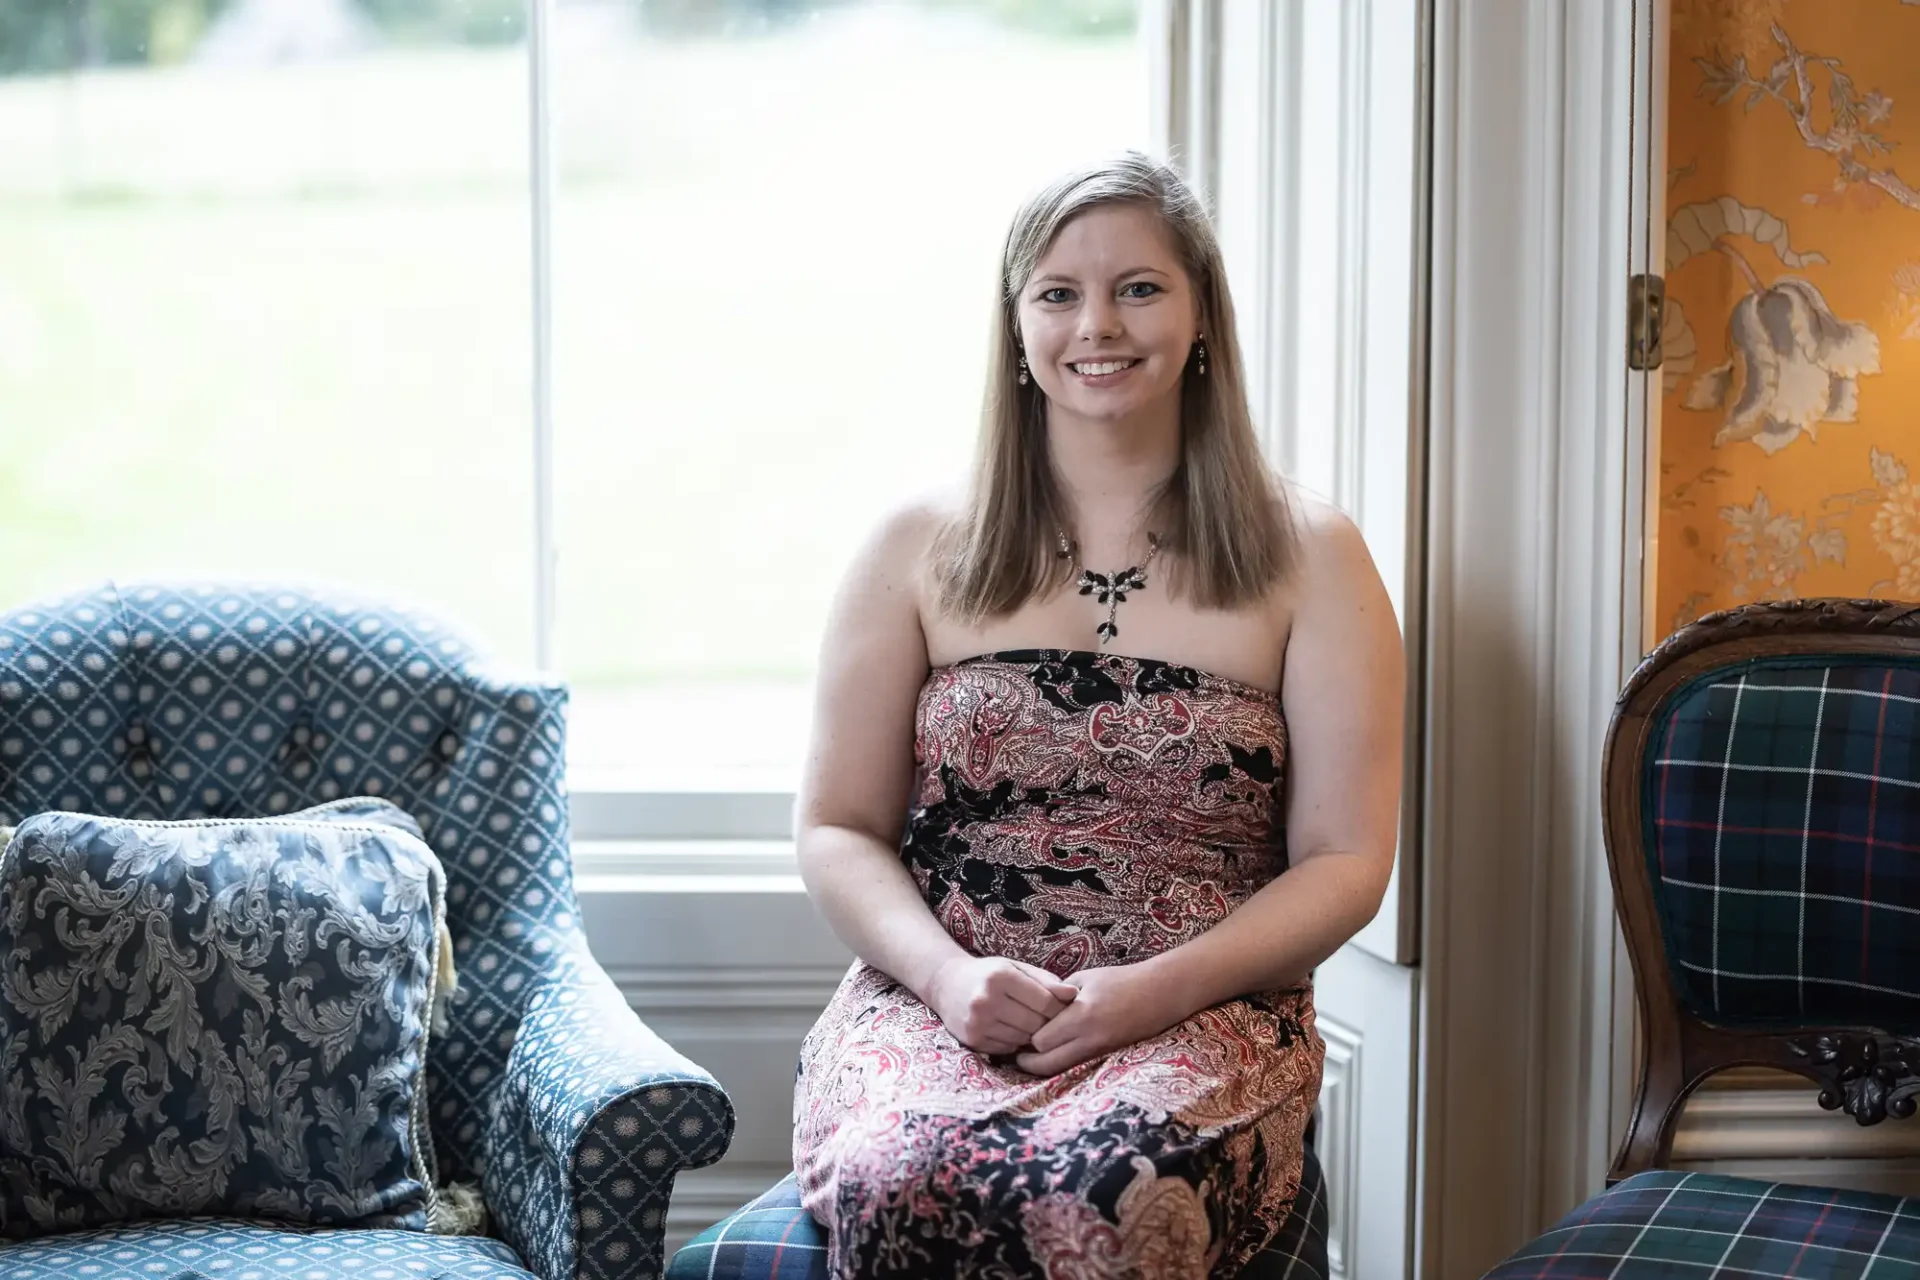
(1762, 822)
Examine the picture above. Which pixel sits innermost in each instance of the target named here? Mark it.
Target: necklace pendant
(1111, 589)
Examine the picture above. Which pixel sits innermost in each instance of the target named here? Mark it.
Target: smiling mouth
(1101, 368)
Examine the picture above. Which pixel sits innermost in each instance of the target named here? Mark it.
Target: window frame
(629, 835)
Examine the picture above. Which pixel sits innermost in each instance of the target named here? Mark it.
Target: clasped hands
(1002, 1007)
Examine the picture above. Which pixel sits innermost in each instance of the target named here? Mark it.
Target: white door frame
(1530, 556)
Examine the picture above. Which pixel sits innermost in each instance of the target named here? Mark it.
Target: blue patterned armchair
(186, 702)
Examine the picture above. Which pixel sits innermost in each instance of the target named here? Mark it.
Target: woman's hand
(1116, 1007)
(995, 1005)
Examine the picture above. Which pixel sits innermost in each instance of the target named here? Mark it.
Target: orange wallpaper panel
(1790, 422)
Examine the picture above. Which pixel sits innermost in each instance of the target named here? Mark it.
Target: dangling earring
(1200, 350)
(1023, 368)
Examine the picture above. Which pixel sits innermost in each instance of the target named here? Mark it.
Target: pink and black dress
(1073, 810)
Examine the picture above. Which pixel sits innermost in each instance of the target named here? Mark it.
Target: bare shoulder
(897, 543)
(1336, 589)
(1333, 563)
(1325, 532)
(873, 662)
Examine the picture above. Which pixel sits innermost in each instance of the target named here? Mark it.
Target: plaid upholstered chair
(1763, 828)
(204, 702)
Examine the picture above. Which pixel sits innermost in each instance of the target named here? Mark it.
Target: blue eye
(1147, 285)
(1057, 294)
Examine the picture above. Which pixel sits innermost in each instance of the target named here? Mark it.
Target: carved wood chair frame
(1862, 1070)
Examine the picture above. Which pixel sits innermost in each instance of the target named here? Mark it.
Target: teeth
(1107, 366)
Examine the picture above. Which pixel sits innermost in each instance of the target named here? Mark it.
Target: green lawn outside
(276, 321)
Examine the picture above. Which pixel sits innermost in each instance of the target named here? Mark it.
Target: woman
(1116, 692)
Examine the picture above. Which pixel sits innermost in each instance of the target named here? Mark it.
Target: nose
(1099, 319)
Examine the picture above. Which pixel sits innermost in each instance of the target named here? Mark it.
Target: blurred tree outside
(56, 35)
(51, 35)
(1061, 17)
(40, 36)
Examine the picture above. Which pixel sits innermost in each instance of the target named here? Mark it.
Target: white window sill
(681, 816)
(605, 867)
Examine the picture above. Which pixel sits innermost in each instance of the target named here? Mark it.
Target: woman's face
(1108, 318)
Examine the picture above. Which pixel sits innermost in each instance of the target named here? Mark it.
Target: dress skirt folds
(1074, 810)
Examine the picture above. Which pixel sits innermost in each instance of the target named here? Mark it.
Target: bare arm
(855, 792)
(859, 769)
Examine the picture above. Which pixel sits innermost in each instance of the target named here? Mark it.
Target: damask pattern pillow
(217, 1018)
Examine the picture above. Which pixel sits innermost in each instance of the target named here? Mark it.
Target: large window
(267, 308)
(776, 232)
(263, 299)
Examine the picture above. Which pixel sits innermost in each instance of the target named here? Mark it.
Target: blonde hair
(1221, 513)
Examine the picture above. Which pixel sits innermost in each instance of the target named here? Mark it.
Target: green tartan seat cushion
(775, 1239)
(1668, 1225)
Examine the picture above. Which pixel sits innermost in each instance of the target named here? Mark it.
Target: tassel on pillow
(446, 981)
(457, 1210)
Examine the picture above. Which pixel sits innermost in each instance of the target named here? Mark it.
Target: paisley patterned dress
(1073, 810)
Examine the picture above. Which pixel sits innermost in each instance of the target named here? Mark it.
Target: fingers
(1009, 997)
(1004, 1003)
(1057, 987)
(1050, 1037)
(1012, 1014)
(1022, 988)
(1044, 994)
(999, 1038)
(998, 1016)
(1051, 1063)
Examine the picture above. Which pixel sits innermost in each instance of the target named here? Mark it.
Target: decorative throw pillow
(220, 1017)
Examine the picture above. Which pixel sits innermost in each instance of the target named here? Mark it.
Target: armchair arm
(593, 1120)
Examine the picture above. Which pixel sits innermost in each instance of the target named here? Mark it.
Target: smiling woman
(1110, 287)
(1081, 1033)
(1111, 258)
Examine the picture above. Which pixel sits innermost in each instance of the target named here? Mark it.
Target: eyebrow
(1066, 279)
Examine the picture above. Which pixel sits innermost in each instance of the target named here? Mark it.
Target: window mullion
(540, 184)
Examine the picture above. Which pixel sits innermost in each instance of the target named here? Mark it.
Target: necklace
(1110, 589)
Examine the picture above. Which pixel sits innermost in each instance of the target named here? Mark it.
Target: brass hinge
(1646, 319)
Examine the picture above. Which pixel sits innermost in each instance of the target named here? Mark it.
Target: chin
(1109, 411)
(1116, 408)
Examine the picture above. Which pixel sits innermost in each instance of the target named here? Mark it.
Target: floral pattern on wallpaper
(1791, 380)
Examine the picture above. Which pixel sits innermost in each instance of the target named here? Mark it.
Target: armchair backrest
(172, 702)
(1763, 832)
